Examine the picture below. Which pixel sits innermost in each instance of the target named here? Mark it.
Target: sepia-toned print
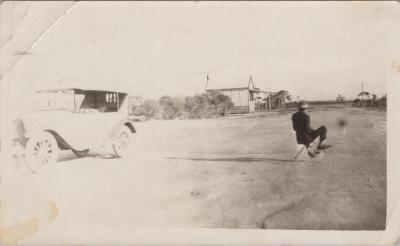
(194, 115)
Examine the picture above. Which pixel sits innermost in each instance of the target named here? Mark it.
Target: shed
(243, 96)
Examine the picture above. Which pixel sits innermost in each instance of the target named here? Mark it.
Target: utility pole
(269, 101)
(362, 95)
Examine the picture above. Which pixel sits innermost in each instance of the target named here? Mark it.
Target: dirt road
(236, 172)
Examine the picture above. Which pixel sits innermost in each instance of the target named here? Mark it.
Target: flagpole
(208, 78)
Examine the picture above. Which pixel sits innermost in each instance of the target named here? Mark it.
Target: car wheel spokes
(123, 140)
(48, 146)
(43, 151)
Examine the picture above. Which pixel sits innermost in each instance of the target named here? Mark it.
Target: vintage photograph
(216, 115)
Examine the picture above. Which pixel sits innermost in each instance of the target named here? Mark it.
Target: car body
(75, 119)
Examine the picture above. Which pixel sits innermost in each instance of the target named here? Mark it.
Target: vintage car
(74, 119)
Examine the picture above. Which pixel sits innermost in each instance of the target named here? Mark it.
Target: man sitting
(304, 133)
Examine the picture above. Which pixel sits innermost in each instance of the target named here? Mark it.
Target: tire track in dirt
(297, 204)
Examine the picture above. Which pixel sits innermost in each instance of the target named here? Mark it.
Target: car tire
(41, 150)
(122, 142)
(81, 153)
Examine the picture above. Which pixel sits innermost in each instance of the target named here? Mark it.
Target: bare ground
(236, 172)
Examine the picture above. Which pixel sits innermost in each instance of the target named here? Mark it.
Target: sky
(315, 50)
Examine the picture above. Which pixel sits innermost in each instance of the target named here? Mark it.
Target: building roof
(231, 85)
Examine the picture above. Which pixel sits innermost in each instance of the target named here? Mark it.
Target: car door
(85, 123)
(107, 117)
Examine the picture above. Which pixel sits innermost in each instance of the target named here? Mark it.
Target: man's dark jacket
(301, 124)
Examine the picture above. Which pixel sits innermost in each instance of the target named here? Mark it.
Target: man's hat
(303, 104)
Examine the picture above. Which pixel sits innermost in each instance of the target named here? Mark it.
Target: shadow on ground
(239, 159)
(70, 157)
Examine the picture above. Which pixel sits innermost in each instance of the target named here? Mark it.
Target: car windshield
(54, 100)
(103, 101)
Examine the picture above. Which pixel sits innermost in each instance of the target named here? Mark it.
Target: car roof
(106, 86)
(81, 89)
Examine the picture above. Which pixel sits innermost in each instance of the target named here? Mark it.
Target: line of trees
(366, 99)
(215, 104)
(206, 105)
(283, 99)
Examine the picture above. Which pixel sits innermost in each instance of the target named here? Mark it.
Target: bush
(171, 107)
(138, 111)
(206, 105)
(280, 99)
(151, 109)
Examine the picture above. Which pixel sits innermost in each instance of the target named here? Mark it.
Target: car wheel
(41, 150)
(81, 153)
(123, 141)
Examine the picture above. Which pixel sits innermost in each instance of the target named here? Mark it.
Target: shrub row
(206, 105)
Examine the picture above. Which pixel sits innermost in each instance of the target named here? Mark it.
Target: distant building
(243, 97)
